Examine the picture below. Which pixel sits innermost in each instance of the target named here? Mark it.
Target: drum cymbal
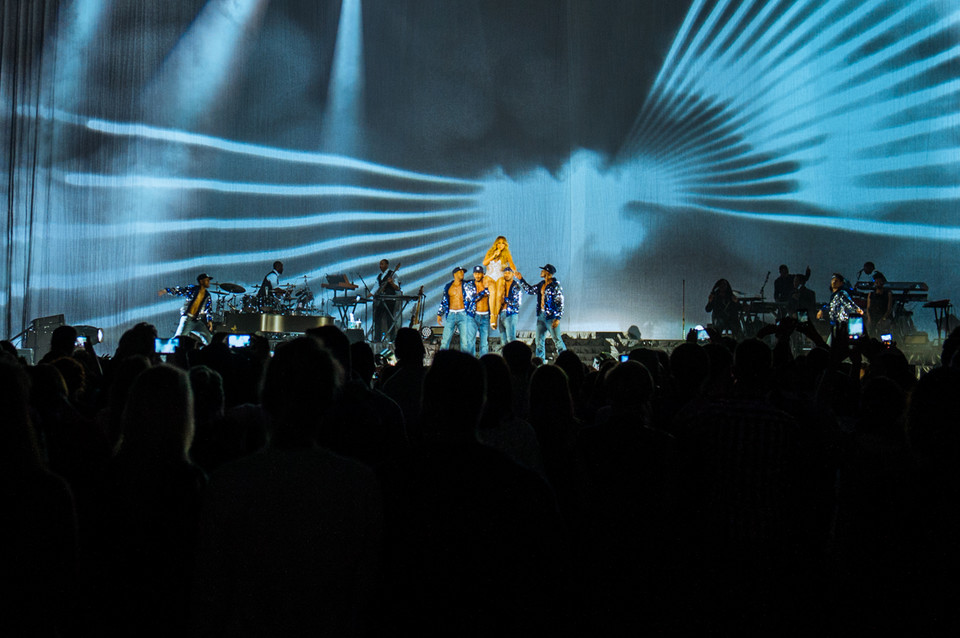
(232, 288)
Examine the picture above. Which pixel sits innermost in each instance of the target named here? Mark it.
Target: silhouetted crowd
(723, 488)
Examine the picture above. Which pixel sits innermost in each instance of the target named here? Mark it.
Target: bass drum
(250, 304)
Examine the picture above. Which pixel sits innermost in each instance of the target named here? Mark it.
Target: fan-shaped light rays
(798, 107)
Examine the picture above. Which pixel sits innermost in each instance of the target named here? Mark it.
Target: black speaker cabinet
(37, 337)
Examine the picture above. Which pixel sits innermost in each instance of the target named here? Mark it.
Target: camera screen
(855, 327)
(166, 346)
(238, 341)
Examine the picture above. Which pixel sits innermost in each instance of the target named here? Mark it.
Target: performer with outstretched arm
(196, 314)
(549, 308)
(840, 308)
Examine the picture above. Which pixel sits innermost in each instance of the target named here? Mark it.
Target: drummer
(271, 282)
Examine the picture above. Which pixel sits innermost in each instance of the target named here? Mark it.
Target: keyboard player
(879, 306)
(902, 293)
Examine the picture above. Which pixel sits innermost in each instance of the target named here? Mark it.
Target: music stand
(347, 303)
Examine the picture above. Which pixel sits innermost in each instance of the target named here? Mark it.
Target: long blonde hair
(505, 257)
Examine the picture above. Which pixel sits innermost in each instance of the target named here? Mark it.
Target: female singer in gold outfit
(496, 259)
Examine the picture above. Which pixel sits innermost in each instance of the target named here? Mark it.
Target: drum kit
(288, 299)
(293, 308)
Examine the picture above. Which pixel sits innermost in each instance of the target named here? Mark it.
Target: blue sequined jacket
(511, 299)
(444, 308)
(190, 292)
(471, 297)
(841, 307)
(553, 298)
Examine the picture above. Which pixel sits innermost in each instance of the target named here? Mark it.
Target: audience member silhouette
(570, 363)
(138, 340)
(499, 427)
(405, 384)
(75, 378)
(38, 554)
(690, 368)
(870, 528)
(366, 424)
(290, 536)
(8, 347)
(153, 504)
(552, 418)
(950, 347)
(632, 500)
(63, 341)
(72, 445)
(519, 358)
(743, 481)
(240, 368)
(110, 418)
(216, 440)
(474, 545)
(363, 362)
(934, 443)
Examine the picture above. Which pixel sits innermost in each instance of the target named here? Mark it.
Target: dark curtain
(27, 56)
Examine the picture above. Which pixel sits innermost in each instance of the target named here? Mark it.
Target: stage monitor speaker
(37, 337)
(354, 335)
(615, 336)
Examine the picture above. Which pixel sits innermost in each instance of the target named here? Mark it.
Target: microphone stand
(365, 286)
(370, 332)
(764, 286)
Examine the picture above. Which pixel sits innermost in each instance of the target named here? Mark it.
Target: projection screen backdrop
(646, 148)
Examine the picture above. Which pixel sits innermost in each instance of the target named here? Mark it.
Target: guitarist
(384, 310)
